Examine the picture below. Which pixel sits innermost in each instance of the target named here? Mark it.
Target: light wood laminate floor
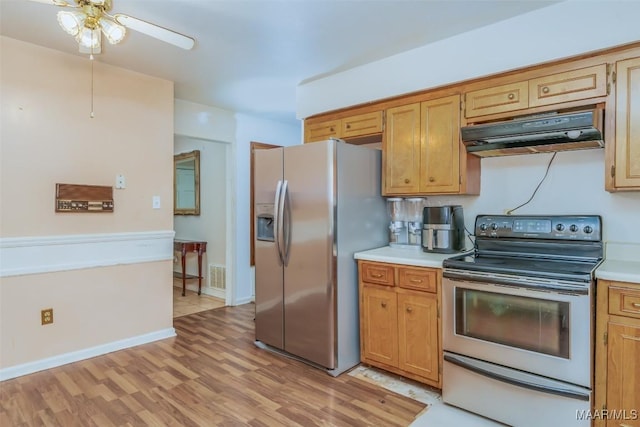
(192, 302)
(211, 374)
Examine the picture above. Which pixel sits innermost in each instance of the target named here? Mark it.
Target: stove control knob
(573, 228)
(494, 226)
(588, 229)
(483, 227)
(560, 227)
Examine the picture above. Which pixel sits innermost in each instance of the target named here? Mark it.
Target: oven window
(538, 325)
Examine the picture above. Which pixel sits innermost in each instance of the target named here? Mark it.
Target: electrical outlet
(46, 316)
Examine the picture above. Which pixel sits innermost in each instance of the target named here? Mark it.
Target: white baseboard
(46, 254)
(63, 359)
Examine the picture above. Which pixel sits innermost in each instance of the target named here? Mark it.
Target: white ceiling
(251, 55)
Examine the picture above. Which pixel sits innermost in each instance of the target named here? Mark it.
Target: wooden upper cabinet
(498, 99)
(626, 167)
(322, 131)
(440, 145)
(573, 85)
(401, 150)
(566, 87)
(362, 124)
(422, 153)
(355, 126)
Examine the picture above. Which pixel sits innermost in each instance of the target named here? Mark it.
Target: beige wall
(48, 137)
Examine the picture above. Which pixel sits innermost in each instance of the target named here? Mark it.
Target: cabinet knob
(431, 179)
(416, 280)
(635, 304)
(545, 89)
(376, 275)
(407, 180)
(331, 130)
(348, 126)
(383, 304)
(511, 96)
(409, 309)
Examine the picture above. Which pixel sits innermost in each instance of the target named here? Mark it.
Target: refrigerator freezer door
(309, 286)
(269, 270)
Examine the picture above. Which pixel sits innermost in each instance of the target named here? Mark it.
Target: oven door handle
(475, 366)
(530, 284)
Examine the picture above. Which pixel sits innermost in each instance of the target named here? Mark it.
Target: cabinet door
(362, 124)
(573, 85)
(623, 374)
(627, 150)
(499, 99)
(322, 131)
(440, 146)
(379, 326)
(418, 334)
(401, 150)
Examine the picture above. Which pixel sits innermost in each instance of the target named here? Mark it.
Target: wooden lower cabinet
(399, 327)
(617, 393)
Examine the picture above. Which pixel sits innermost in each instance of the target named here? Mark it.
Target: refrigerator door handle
(285, 210)
(277, 220)
(286, 222)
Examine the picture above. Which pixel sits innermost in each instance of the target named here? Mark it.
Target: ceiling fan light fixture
(112, 30)
(71, 21)
(89, 37)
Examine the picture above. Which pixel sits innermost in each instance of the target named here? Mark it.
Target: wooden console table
(185, 247)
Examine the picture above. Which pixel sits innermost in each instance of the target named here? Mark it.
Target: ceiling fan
(89, 19)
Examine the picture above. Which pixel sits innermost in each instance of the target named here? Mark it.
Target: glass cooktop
(534, 267)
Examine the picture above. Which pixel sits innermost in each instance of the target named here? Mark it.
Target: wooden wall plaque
(83, 198)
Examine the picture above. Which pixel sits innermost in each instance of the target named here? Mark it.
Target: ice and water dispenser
(264, 222)
(405, 221)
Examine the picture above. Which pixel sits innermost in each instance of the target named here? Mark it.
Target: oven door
(543, 332)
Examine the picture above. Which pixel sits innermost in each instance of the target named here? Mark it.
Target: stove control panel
(555, 227)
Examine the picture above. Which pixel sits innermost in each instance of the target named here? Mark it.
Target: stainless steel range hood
(554, 132)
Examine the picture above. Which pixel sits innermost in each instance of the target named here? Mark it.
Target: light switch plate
(120, 182)
(156, 202)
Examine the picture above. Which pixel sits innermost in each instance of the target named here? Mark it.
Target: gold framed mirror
(186, 183)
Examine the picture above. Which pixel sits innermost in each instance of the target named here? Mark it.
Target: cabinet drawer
(417, 278)
(569, 86)
(362, 124)
(497, 99)
(322, 131)
(377, 273)
(624, 302)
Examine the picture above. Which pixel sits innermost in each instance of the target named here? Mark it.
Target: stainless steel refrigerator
(315, 206)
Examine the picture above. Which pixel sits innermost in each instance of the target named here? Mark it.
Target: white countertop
(621, 263)
(407, 256)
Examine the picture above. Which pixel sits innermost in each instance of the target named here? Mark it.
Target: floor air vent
(217, 277)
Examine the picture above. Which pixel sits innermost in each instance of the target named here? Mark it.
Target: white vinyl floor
(437, 414)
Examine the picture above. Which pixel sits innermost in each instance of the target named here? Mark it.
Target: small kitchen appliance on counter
(398, 235)
(414, 208)
(443, 229)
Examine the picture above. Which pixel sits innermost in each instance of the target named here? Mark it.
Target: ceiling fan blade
(160, 33)
(62, 3)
